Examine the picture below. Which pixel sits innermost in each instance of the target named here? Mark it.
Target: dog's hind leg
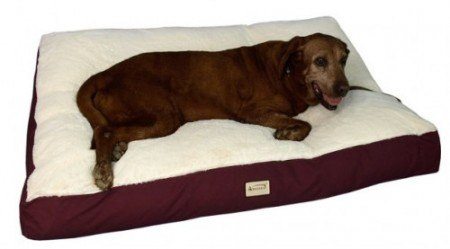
(104, 144)
(85, 97)
(107, 138)
(160, 128)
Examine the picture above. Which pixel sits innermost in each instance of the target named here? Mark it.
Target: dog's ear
(293, 46)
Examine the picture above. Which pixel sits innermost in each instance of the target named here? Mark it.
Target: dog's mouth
(326, 100)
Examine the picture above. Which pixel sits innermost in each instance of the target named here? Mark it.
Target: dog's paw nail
(278, 134)
(102, 184)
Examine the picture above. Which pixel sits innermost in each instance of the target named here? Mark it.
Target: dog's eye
(321, 62)
(343, 61)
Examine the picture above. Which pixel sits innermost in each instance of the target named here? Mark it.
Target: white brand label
(257, 188)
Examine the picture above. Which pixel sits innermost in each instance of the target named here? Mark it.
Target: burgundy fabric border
(221, 190)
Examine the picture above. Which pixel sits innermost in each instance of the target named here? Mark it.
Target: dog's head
(317, 63)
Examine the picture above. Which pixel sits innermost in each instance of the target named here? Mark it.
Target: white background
(406, 47)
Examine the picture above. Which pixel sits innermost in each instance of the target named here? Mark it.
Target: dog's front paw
(294, 133)
(103, 175)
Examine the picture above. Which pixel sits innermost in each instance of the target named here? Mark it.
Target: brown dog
(153, 94)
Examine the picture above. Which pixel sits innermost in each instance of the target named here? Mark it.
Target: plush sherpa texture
(61, 154)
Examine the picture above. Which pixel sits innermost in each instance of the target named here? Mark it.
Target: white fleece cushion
(61, 151)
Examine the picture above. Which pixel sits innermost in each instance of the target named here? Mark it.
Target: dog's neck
(268, 56)
(297, 93)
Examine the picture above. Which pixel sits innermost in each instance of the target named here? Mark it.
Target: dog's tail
(85, 100)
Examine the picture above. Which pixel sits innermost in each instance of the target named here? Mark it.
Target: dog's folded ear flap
(292, 46)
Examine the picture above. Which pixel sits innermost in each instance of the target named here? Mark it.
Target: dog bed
(206, 167)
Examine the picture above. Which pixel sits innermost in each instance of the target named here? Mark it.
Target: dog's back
(195, 85)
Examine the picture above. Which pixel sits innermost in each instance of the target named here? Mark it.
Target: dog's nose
(341, 89)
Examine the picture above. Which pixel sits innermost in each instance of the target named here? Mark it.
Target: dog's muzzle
(326, 100)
